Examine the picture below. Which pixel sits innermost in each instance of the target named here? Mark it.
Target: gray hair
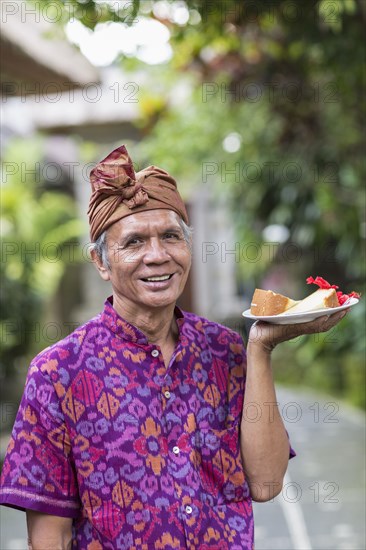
(101, 248)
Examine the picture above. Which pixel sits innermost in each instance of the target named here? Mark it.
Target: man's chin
(159, 300)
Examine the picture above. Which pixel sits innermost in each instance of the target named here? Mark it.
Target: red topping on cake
(322, 283)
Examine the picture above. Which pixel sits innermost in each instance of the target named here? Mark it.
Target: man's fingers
(269, 335)
(325, 323)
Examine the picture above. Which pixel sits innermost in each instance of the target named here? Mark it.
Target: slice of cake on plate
(320, 299)
(267, 302)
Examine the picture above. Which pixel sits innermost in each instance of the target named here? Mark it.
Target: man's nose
(156, 252)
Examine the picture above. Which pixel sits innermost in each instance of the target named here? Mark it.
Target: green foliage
(289, 85)
(89, 12)
(37, 227)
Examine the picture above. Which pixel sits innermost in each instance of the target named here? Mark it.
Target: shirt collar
(125, 330)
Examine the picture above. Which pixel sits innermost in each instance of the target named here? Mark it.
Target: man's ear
(102, 270)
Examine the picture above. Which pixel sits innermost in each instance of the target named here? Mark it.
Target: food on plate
(267, 302)
(320, 299)
(322, 283)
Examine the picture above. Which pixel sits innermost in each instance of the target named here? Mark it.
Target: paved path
(322, 505)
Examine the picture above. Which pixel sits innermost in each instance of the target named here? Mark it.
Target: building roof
(32, 60)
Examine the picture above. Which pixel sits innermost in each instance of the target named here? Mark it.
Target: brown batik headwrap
(117, 191)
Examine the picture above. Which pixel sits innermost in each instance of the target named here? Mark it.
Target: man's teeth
(162, 278)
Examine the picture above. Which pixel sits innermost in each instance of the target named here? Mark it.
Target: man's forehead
(151, 218)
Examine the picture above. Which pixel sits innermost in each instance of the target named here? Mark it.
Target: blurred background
(258, 109)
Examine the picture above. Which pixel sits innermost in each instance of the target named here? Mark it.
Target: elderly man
(132, 432)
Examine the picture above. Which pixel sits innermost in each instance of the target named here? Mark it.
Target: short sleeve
(38, 471)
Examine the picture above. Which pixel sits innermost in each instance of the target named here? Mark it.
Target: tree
(38, 225)
(285, 83)
(273, 121)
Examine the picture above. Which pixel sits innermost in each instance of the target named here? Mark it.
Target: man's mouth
(157, 278)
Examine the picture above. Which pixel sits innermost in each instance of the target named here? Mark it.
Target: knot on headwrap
(138, 197)
(118, 191)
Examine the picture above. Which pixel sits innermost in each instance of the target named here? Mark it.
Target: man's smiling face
(149, 259)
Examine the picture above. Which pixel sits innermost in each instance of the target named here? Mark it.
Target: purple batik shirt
(140, 455)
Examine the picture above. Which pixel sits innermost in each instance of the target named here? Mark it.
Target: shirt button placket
(186, 510)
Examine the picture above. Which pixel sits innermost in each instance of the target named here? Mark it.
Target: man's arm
(46, 532)
(263, 439)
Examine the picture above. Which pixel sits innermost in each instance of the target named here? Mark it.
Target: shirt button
(176, 450)
(189, 509)
(167, 394)
(155, 353)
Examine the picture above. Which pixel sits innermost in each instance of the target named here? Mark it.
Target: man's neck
(158, 324)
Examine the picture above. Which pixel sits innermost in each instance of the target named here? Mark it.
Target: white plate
(295, 318)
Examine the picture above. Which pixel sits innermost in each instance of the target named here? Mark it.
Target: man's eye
(132, 242)
(172, 236)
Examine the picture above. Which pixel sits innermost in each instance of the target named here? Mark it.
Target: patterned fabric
(117, 191)
(140, 455)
